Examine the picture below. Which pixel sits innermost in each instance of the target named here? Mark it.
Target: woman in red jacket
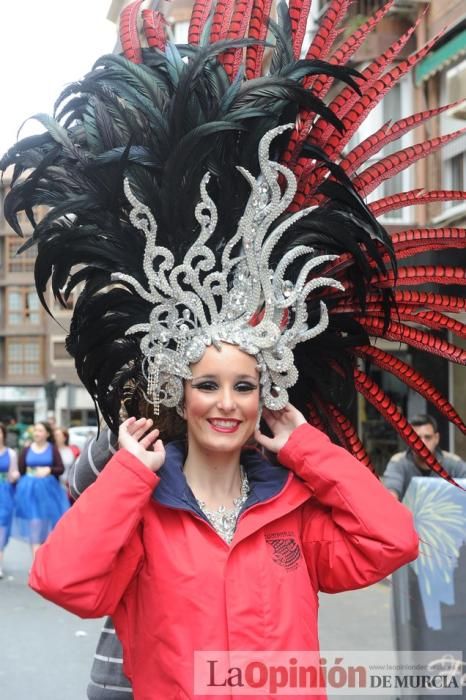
(218, 234)
(205, 546)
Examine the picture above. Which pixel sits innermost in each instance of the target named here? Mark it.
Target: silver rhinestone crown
(246, 302)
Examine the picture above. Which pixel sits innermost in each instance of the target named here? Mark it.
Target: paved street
(46, 652)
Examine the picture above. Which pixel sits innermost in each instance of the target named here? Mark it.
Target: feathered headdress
(160, 117)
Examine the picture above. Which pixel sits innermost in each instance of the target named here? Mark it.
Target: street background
(47, 652)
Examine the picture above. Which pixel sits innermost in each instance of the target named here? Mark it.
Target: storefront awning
(437, 60)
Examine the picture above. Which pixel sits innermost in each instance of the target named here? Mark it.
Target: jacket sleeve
(95, 455)
(57, 467)
(395, 477)
(354, 531)
(95, 549)
(458, 467)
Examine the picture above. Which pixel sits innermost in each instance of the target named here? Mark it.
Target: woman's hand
(133, 436)
(281, 423)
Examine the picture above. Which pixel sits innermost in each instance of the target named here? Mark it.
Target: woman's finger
(265, 441)
(149, 439)
(141, 427)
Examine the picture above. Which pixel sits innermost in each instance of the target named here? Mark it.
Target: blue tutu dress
(7, 500)
(40, 501)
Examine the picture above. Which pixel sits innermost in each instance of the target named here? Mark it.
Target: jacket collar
(265, 479)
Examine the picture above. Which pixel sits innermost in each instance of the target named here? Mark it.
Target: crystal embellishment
(246, 302)
(224, 520)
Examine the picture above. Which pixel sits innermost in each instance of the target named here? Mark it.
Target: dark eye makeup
(242, 386)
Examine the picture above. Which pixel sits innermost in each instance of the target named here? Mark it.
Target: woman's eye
(205, 386)
(245, 386)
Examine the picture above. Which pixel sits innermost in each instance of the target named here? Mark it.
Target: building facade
(37, 376)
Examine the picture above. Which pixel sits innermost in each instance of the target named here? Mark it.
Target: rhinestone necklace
(224, 520)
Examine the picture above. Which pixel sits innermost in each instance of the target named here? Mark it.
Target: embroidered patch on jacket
(286, 551)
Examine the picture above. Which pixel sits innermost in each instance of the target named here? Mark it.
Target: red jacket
(173, 586)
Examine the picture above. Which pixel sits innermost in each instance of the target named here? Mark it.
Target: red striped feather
(257, 30)
(347, 435)
(129, 37)
(414, 337)
(409, 199)
(419, 240)
(199, 17)
(404, 312)
(321, 84)
(385, 406)
(221, 20)
(364, 150)
(314, 417)
(232, 58)
(435, 320)
(429, 300)
(154, 24)
(299, 13)
(319, 48)
(387, 134)
(328, 30)
(354, 107)
(413, 379)
(395, 163)
(421, 274)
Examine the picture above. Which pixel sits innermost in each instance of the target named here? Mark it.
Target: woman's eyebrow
(215, 377)
(205, 376)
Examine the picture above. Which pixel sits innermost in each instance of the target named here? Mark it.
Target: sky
(44, 45)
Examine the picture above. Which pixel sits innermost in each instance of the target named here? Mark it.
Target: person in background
(68, 453)
(12, 434)
(107, 681)
(9, 475)
(403, 466)
(40, 499)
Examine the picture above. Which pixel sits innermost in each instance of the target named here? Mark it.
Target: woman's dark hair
(3, 431)
(170, 424)
(50, 435)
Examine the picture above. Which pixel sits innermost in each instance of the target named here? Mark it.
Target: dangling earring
(123, 413)
(259, 415)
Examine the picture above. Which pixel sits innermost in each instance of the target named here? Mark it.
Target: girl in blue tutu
(9, 474)
(40, 499)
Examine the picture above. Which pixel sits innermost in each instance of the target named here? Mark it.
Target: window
(457, 166)
(22, 306)
(455, 87)
(23, 357)
(395, 105)
(19, 263)
(59, 354)
(453, 154)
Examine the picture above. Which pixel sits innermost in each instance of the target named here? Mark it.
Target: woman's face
(59, 437)
(221, 401)
(39, 433)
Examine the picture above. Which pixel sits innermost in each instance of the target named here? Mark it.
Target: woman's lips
(224, 425)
